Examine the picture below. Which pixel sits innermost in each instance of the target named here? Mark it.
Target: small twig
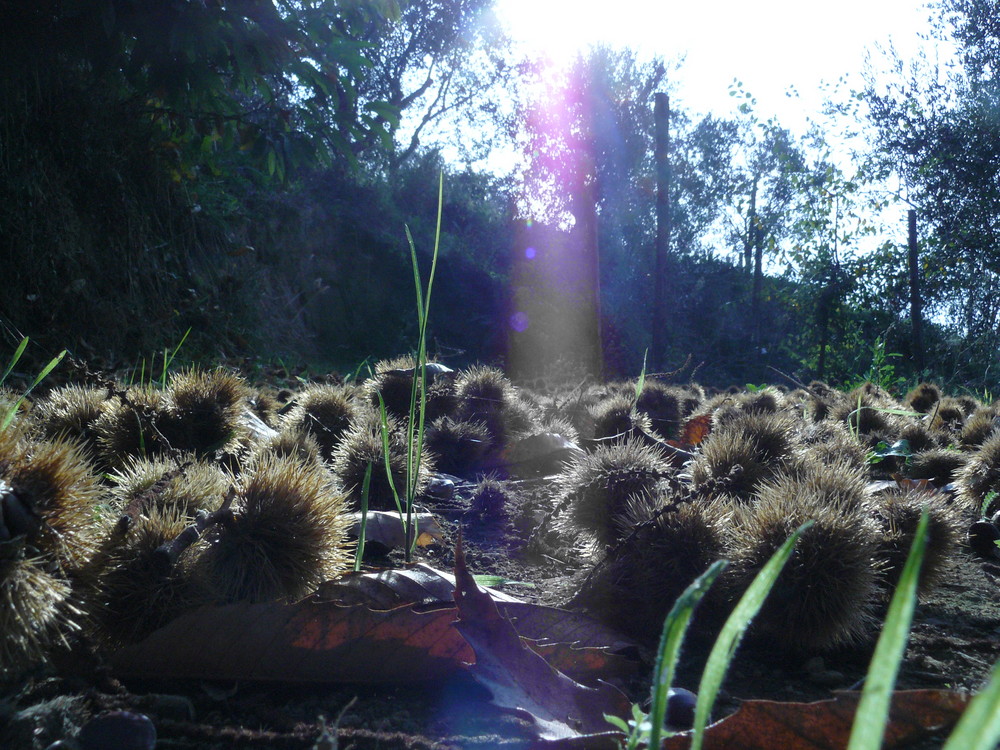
(789, 378)
(169, 553)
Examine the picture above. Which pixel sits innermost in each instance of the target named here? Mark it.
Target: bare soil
(955, 641)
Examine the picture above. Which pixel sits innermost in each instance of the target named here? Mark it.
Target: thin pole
(661, 119)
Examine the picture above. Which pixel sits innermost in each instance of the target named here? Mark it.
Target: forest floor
(954, 642)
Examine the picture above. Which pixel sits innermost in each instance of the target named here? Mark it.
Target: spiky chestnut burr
(766, 400)
(559, 426)
(940, 465)
(897, 513)
(394, 382)
(393, 385)
(948, 415)
(486, 395)
(831, 442)
(35, 613)
(266, 406)
(288, 442)
(662, 404)
(839, 484)
(917, 436)
(824, 596)
(129, 427)
(324, 412)
(202, 411)
(822, 400)
(51, 488)
(980, 476)
(363, 445)
(983, 423)
(922, 398)
(70, 411)
(490, 499)
(187, 486)
(598, 488)
(616, 419)
(460, 447)
(666, 547)
(287, 534)
(746, 451)
(132, 587)
(864, 411)
(9, 399)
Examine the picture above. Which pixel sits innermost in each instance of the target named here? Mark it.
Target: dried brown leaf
(518, 678)
(309, 641)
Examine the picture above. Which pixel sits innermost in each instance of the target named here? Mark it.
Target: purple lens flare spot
(519, 321)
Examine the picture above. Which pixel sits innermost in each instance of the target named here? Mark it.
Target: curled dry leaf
(696, 430)
(826, 725)
(521, 680)
(385, 528)
(382, 627)
(309, 641)
(395, 587)
(821, 725)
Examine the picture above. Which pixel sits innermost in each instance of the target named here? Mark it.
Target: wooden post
(661, 154)
(916, 314)
(585, 237)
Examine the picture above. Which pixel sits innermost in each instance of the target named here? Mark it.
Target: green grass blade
(641, 383)
(873, 708)
(41, 376)
(14, 359)
(415, 426)
(732, 632)
(169, 358)
(424, 318)
(385, 454)
(674, 628)
(365, 485)
(979, 727)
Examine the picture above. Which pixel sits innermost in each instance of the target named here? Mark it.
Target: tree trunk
(916, 313)
(584, 240)
(751, 225)
(661, 116)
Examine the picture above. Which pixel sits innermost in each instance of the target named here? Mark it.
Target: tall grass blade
(674, 629)
(979, 727)
(41, 376)
(365, 486)
(169, 358)
(418, 390)
(385, 454)
(732, 632)
(14, 359)
(641, 383)
(873, 708)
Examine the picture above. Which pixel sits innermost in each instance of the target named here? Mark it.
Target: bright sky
(769, 45)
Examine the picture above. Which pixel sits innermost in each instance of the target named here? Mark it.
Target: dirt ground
(954, 642)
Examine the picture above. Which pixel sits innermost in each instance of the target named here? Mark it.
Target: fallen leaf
(521, 680)
(395, 587)
(696, 430)
(385, 528)
(555, 625)
(309, 641)
(585, 665)
(821, 725)
(394, 625)
(826, 725)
